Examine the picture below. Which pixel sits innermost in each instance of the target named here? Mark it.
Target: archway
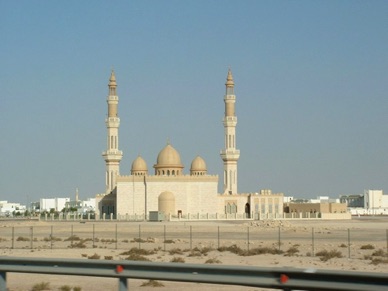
(247, 210)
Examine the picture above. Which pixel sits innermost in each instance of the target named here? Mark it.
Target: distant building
(11, 209)
(82, 206)
(324, 207)
(353, 200)
(57, 204)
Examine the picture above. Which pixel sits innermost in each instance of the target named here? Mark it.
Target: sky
(311, 85)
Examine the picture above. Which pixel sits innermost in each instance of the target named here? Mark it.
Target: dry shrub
(84, 255)
(2, 239)
(137, 257)
(52, 238)
(327, 255)
(152, 283)
(137, 239)
(41, 286)
(213, 261)
(252, 252)
(379, 253)
(195, 253)
(73, 238)
(367, 247)
(138, 252)
(233, 249)
(263, 251)
(377, 261)
(291, 251)
(205, 250)
(22, 238)
(177, 260)
(94, 257)
(108, 257)
(343, 245)
(108, 240)
(78, 245)
(175, 251)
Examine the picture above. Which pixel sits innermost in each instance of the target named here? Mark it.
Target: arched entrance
(247, 210)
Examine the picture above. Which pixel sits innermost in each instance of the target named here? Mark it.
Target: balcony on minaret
(230, 154)
(112, 121)
(112, 98)
(112, 155)
(230, 121)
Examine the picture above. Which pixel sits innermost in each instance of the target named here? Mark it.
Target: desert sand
(358, 240)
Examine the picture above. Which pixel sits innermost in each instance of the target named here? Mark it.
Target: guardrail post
(123, 284)
(3, 281)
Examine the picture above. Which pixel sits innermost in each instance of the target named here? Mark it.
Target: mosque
(169, 190)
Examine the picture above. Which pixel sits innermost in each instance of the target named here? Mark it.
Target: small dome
(166, 203)
(166, 196)
(169, 157)
(139, 164)
(198, 164)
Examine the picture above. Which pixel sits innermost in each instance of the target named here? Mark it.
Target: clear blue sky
(311, 83)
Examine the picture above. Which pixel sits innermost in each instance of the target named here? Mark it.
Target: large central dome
(168, 162)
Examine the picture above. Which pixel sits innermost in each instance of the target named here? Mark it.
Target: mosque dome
(198, 166)
(168, 162)
(139, 166)
(168, 157)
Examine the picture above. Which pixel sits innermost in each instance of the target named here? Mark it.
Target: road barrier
(275, 278)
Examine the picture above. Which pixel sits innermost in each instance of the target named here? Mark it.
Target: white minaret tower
(112, 155)
(230, 154)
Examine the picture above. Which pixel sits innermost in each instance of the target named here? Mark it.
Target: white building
(46, 204)
(375, 202)
(9, 208)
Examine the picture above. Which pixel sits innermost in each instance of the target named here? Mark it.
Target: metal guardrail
(275, 278)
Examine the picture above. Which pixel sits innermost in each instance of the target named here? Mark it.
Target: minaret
(230, 154)
(112, 155)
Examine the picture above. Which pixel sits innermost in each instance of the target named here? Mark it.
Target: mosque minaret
(112, 155)
(230, 154)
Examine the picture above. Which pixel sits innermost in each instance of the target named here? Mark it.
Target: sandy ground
(308, 237)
